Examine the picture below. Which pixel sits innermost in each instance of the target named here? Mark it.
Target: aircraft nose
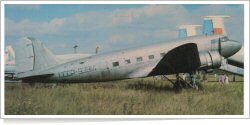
(229, 48)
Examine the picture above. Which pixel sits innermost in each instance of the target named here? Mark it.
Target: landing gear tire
(31, 84)
(180, 83)
(177, 86)
(199, 86)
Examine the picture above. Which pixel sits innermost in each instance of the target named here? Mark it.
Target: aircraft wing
(236, 63)
(184, 58)
(236, 60)
(142, 72)
(231, 68)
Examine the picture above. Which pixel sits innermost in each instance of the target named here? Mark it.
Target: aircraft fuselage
(124, 64)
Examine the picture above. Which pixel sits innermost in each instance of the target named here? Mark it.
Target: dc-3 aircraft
(35, 63)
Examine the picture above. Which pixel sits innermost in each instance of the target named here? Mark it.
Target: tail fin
(9, 56)
(214, 25)
(32, 55)
(187, 30)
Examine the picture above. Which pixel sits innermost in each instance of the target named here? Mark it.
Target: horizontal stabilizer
(36, 78)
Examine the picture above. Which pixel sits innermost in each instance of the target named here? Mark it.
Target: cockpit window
(224, 39)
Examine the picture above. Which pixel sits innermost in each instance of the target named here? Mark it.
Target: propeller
(219, 46)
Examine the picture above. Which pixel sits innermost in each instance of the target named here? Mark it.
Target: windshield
(224, 39)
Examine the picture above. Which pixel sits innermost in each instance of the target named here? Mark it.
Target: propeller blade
(219, 46)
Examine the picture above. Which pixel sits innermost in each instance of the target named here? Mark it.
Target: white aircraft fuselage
(129, 63)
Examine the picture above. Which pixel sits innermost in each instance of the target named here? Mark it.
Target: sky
(111, 27)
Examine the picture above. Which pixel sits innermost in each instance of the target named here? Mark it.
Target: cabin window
(65, 73)
(68, 73)
(139, 59)
(80, 70)
(115, 64)
(72, 72)
(60, 74)
(151, 57)
(162, 54)
(127, 61)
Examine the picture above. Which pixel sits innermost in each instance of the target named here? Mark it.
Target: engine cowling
(210, 60)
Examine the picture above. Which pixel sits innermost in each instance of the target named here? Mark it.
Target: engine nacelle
(210, 60)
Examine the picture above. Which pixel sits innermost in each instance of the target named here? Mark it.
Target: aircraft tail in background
(214, 25)
(188, 30)
(9, 56)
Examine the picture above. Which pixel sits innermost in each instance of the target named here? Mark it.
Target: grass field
(148, 96)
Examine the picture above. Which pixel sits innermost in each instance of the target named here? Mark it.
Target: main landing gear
(189, 81)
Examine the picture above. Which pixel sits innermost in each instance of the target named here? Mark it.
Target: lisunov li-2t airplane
(35, 63)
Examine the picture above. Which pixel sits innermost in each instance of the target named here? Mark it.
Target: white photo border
(246, 61)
